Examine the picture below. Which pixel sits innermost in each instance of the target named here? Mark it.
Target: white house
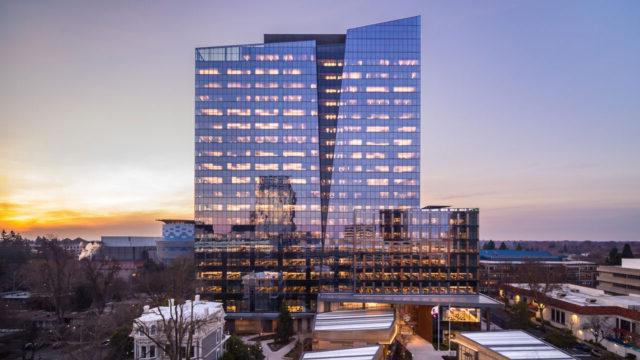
(586, 311)
(206, 319)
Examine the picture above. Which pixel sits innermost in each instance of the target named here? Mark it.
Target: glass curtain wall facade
(293, 136)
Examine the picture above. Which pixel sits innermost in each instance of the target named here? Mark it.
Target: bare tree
(175, 281)
(541, 279)
(599, 327)
(172, 328)
(101, 277)
(54, 273)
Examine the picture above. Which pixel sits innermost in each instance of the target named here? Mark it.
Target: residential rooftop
(516, 344)
(584, 296)
(516, 255)
(201, 310)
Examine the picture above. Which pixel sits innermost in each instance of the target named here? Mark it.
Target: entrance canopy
(458, 300)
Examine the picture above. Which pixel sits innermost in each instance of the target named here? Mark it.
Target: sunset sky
(530, 109)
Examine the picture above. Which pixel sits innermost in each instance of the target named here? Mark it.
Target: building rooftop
(201, 310)
(354, 320)
(361, 353)
(516, 344)
(630, 264)
(463, 300)
(584, 296)
(550, 262)
(517, 255)
(129, 241)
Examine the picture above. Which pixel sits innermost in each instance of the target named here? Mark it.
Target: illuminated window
(355, 142)
(267, 126)
(213, 85)
(351, 89)
(294, 139)
(291, 72)
(353, 75)
(375, 155)
(298, 181)
(375, 129)
(237, 85)
(381, 168)
(211, 153)
(267, 57)
(404, 182)
(210, 139)
(293, 112)
(208, 72)
(292, 98)
(356, 155)
(238, 72)
(377, 182)
(404, 89)
(269, 85)
(377, 101)
(292, 166)
(407, 155)
(407, 62)
(266, 139)
(266, 112)
(240, 180)
(209, 180)
(383, 62)
(239, 166)
(402, 102)
(402, 142)
(267, 167)
(407, 129)
(239, 112)
(261, 153)
(241, 126)
(403, 169)
(209, 167)
(211, 112)
(267, 71)
(295, 85)
(293, 153)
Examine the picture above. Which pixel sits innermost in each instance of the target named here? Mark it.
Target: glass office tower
(292, 136)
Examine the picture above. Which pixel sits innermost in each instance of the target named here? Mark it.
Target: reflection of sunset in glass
(529, 110)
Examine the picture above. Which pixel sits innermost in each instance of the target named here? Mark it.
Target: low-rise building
(590, 314)
(620, 280)
(177, 240)
(129, 252)
(204, 318)
(505, 345)
(494, 273)
(518, 255)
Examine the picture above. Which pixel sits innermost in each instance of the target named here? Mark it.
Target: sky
(530, 109)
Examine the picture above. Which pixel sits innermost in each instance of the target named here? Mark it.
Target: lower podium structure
(361, 353)
(351, 329)
(505, 345)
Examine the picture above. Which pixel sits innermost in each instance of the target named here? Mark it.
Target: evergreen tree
(489, 245)
(285, 326)
(503, 246)
(519, 247)
(614, 257)
(564, 249)
(626, 252)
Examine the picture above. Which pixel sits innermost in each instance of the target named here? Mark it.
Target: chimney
(145, 309)
(197, 298)
(171, 302)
